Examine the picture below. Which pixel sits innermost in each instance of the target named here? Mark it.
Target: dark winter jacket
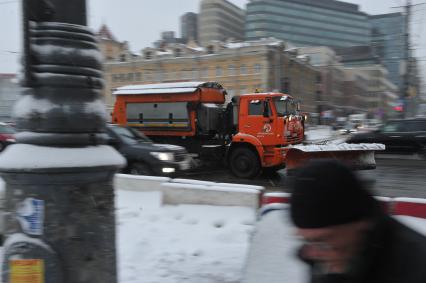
(392, 253)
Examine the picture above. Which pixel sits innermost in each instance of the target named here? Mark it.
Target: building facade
(220, 20)
(111, 48)
(357, 85)
(9, 93)
(382, 93)
(189, 27)
(388, 38)
(307, 22)
(241, 68)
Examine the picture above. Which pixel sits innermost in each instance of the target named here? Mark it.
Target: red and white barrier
(414, 207)
(409, 207)
(275, 197)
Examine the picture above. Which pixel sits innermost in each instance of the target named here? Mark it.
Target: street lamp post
(60, 223)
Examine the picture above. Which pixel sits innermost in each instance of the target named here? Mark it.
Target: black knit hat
(327, 193)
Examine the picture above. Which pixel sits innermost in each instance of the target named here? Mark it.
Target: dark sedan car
(399, 136)
(144, 157)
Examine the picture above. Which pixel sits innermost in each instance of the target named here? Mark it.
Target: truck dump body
(166, 109)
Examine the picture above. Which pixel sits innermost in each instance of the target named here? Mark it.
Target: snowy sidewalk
(184, 243)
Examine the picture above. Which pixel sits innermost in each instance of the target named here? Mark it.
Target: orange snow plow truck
(252, 133)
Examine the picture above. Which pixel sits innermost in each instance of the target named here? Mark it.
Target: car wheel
(244, 163)
(139, 169)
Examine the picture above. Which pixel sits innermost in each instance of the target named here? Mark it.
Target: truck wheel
(244, 163)
(139, 169)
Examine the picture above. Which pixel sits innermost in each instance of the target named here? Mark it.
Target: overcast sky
(141, 21)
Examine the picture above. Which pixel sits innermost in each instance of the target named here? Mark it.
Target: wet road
(397, 176)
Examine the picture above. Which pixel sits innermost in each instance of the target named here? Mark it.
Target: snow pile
(180, 87)
(185, 243)
(28, 105)
(25, 156)
(340, 147)
(319, 133)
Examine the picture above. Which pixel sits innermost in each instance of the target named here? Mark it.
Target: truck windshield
(285, 106)
(129, 135)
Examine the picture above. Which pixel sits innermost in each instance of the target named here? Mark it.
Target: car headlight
(163, 156)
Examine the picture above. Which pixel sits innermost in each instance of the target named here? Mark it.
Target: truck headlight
(163, 156)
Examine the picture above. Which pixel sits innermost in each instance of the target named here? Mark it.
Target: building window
(219, 72)
(185, 74)
(318, 95)
(130, 77)
(286, 85)
(194, 74)
(113, 77)
(122, 77)
(205, 72)
(243, 70)
(122, 57)
(318, 79)
(231, 70)
(148, 55)
(138, 76)
(178, 52)
(257, 68)
(210, 49)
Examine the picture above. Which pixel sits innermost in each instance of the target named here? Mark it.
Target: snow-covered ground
(184, 243)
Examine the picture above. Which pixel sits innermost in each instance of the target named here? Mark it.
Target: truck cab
(267, 124)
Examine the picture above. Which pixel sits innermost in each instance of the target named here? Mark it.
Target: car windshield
(4, 129)
(285, 106)
(393, 127)
(129, 135)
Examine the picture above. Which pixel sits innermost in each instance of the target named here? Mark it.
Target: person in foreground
(347, 235)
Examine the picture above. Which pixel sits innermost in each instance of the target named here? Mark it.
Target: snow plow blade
(357, 156)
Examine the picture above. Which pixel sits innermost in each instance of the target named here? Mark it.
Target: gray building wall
(189, 26)
(388, 39)
(220, 20)
(9, 92)
(308, 22)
